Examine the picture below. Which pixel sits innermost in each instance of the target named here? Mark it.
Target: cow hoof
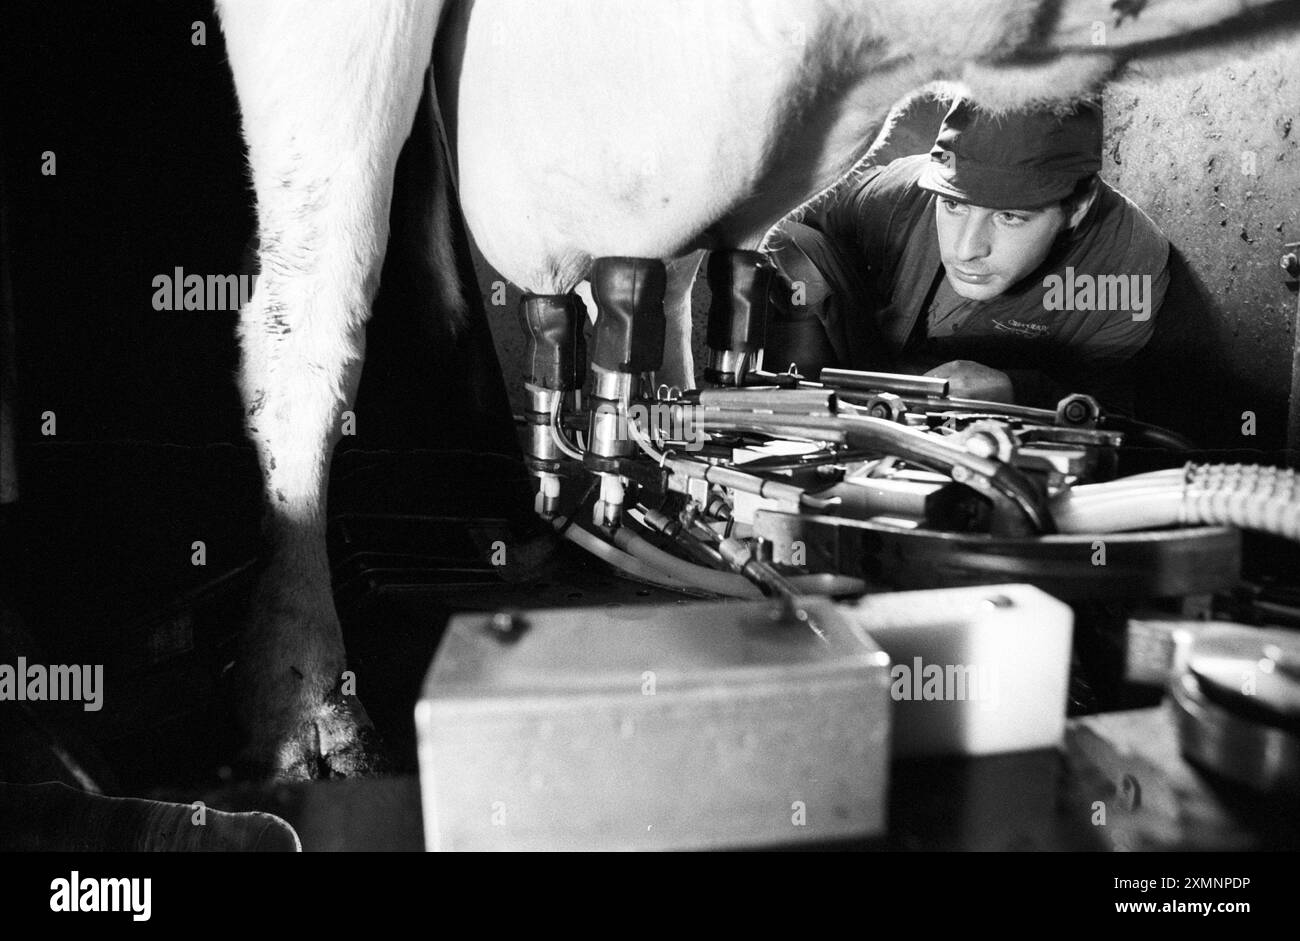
(349, 744)
(337, 741)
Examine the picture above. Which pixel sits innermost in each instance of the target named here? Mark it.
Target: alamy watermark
(35, 682)
(181, 291)
(674, 421)
(952, 682)
(86, 894)
(1106, 292)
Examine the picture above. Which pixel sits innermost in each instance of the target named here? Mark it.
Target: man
(999, 261)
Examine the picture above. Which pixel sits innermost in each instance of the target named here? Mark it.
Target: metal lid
(1238, 707)
(1253, 674)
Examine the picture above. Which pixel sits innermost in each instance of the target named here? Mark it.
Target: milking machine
(759, 480)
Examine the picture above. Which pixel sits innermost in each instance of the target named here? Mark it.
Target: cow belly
(588, 129)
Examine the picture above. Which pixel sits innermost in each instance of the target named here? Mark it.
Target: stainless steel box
(686, 726)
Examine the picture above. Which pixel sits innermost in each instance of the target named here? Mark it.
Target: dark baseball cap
(1013, 160)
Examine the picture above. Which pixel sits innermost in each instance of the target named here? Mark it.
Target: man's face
(986, 251)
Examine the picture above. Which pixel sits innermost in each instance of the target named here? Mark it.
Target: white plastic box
(974, 671)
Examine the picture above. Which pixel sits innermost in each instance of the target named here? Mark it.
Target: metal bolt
(1290, 263)
(507, 625)
(1076, 411)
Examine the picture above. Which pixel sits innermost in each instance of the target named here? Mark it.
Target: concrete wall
(1214, 158)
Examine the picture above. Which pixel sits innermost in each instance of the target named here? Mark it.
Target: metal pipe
(897, 383)
(777, 401)
(721, 583)
(990, 477)
(788, 494)
(613, 555)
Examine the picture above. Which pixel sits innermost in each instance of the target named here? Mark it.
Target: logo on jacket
(1022, 328)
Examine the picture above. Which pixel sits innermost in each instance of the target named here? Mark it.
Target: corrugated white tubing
(1249, 496)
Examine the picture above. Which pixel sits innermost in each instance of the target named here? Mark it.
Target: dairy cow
(576, 130)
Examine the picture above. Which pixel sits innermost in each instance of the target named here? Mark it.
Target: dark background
(150, 177)
(150, 452)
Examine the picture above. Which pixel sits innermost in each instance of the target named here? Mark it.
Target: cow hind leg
(327, 95)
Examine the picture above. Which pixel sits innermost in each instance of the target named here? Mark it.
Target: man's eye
(951, 205)
(1011, 219)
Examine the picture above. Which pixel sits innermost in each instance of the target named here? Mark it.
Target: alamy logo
(76, 894)
(181, 291)
(952, 682)
(1108, 292)
(57, 683)
(676, 421)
